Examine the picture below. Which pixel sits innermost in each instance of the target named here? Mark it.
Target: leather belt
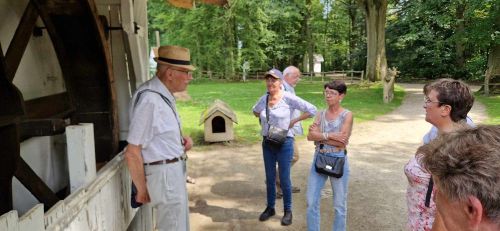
(329, 150)
(167, 161)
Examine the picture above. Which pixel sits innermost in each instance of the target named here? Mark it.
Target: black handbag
(330, 165)
(275, 136)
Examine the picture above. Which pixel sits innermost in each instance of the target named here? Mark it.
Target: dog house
(218, 120)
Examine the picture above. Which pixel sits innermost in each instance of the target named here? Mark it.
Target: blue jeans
(315, 184)
(284, 157)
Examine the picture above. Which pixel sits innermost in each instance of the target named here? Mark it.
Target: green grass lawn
(364, 101)
(492, 104)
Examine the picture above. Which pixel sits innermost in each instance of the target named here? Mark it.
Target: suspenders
(167, 102)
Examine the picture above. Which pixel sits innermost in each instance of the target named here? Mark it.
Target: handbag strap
(167, 101)
(323, 124)
(429, 193)
(267, 112)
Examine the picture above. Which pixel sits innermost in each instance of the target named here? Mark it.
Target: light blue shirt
(153, 124)
(433, 133)
(281, 113)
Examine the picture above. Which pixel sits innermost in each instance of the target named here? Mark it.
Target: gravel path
(229, 193)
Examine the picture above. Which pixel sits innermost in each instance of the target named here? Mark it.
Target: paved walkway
(230, 193)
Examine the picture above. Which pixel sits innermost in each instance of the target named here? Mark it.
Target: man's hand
(188, 143)
(142, 196)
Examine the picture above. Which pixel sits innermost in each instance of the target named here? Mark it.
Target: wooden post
(81, 154)
(352, 72)
(9, 157)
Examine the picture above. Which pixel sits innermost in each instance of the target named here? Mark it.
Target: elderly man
(465, 166)
(156, 148)
(291, 76)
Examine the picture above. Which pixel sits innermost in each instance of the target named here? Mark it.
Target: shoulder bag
(328, 165)
(275, 136)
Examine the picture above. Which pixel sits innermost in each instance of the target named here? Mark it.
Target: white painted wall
(47, 157)
(39, 73)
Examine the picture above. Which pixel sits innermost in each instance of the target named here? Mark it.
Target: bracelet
(325, 136)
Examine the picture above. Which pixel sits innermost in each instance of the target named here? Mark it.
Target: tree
(493, 68)
(375, 15)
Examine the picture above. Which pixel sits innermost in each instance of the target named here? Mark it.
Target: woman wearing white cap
(274, 110)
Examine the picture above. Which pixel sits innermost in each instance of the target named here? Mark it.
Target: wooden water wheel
(79, 42)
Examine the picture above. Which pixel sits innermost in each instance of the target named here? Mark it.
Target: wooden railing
(97, 201)
(347, 76)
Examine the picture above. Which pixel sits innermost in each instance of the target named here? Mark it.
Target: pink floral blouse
(420, 217)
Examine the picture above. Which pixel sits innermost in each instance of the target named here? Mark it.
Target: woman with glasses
(330, 132)
(446, 104)
(275, 111)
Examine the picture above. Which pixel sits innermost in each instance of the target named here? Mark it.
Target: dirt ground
(229, 193)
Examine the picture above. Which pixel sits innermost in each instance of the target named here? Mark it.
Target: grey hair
(290, 69)
(467, 163)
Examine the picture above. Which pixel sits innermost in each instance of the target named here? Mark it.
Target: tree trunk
(375, 15)
(459, 44)
(230, 48)
(492, 75)
(352, 38)
(388, 82)
(310, 42)
(493, 72)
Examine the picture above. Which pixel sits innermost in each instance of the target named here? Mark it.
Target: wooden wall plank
(9, 221)
(33, 219)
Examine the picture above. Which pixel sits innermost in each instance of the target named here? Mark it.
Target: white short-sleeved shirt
(281, 113)
(153, 124)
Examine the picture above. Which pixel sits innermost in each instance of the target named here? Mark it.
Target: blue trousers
(283, 156)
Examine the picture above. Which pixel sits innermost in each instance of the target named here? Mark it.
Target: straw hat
(175, 56)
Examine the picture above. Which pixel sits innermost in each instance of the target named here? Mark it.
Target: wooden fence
(347, 76)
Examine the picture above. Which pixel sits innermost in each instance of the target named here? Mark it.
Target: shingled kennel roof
(221, 106)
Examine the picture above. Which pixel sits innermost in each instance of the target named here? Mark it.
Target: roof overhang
(188, 4)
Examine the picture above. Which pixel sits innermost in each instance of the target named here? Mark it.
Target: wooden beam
(42, 127)
(35, 184)
(9, 156)
(20, 40)
(52, 106)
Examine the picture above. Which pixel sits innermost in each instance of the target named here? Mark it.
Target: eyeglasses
(189, 73)
(330, 93)
(427, 101)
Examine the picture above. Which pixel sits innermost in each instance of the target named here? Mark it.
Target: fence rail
(349, 75)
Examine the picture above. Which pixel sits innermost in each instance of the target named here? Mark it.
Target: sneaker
(269, 212)
(295, 189)
(287, 218)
